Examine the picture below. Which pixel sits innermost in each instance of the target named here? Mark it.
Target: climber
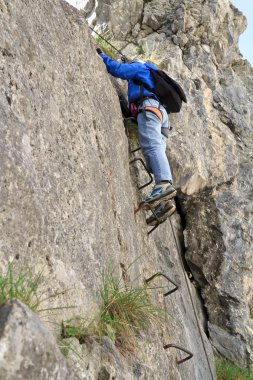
(153, 127)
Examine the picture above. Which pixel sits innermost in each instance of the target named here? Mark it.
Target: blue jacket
(130, 71)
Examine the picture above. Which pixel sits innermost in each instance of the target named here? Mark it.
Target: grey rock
(27, 348)
(210, 150)
(68, 195)
(228, 345)
(119, 17)
(89, 7)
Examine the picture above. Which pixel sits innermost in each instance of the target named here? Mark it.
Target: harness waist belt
(154, 110)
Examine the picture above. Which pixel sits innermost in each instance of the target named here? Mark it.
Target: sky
(78, 3)
(245, 41)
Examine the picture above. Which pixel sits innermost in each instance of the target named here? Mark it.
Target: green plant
(132, 131)
(24, 286)
(67, 348)
(222, 81)
(140, 50)
(228, 371)
(79, 328)
(107, 49)
(125, 311)
(64, 348)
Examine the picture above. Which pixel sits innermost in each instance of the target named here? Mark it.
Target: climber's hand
(99, 51)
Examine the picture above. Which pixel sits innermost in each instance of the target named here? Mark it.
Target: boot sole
(164, 198)
(162, 218)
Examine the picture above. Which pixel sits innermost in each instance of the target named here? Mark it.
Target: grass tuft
(25, 286)
(227, 371)
(107, 49)
(125, 312)
(140, 50)
(132, 131)
(69, 350)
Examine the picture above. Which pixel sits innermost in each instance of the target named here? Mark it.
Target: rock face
(210, 150)
(68, 196)
(27, 349)
(122, 15)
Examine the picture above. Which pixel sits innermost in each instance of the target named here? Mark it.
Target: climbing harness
(123, 57)
(154, 110)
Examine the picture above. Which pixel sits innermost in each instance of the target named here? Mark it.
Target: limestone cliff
(210, 147)
(27, 349)
(68, 195)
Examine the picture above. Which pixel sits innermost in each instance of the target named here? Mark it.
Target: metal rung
(145, 205)
(154, 228)
(145, 167)
(157, 219)
(190, 354)
(135, 150)
(167, 278)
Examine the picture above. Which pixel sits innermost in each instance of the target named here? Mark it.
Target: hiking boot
(160, 192)
(162, 212)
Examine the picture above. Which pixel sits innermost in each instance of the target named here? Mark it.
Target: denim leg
(153, 143)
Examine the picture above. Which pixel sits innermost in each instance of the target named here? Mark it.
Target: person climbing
(153, 126)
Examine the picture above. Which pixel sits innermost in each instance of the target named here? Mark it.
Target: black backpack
(167, 90)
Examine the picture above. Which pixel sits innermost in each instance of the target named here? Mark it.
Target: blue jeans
(152, 142)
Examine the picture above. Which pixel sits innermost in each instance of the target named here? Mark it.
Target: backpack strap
(141, 93)
(142, 86)
(139, 83)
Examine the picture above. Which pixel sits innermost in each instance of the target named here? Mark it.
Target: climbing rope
(192, 302)
(123, 57)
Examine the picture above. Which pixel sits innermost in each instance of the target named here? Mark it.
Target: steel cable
(123, 57)
(193, 306)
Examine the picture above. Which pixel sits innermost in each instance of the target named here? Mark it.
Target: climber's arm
(121, 70)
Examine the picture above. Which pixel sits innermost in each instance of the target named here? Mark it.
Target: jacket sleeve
(121, 70)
